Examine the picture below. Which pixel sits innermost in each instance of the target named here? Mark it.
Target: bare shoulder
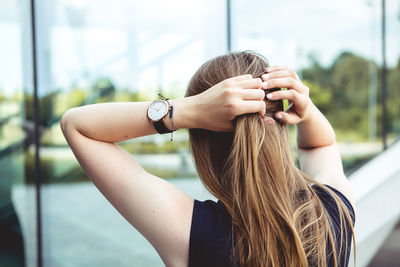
(324, 165)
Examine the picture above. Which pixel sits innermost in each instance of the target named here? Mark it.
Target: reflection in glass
(101, 51)
(12, 137)
(393, 72)
(97, 51)
(17, 211)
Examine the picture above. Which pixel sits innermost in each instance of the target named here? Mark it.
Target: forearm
(213, 109)
(315, 131)
(115, 122)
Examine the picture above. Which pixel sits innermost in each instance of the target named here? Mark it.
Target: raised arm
(319, 155)
(143, 199)
(160, 211)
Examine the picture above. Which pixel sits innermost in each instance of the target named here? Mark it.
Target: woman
(269, 212)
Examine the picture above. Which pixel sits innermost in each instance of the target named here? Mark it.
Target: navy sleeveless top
(211, 231)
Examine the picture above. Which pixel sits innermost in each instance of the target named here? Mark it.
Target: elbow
(66, 122)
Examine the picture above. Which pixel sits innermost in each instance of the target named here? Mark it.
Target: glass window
(393, 68)
(96, 51)
(17, 190)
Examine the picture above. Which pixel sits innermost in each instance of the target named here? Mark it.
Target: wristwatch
(156, 112)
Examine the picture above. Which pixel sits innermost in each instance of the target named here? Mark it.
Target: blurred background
(78, 52)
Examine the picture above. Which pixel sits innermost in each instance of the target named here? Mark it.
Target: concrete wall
(377, 191)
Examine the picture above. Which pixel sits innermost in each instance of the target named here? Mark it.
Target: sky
(149, 44)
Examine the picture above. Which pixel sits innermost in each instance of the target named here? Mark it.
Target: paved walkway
(81, 228)
(389, 254)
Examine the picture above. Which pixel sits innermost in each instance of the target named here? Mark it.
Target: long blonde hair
(277, 219)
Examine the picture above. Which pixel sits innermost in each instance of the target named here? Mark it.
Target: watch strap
(160, 127)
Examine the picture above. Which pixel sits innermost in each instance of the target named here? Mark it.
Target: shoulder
(329, 202)
(210, 211)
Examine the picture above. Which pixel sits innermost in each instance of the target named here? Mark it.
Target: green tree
(103, 90)
(350, 80)
(321, 97)
(345, 84)
(316, 73)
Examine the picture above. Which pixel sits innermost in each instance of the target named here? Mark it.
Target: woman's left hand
(297, 93)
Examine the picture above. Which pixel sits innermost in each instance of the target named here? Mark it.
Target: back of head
(277, 220)
(212, 150)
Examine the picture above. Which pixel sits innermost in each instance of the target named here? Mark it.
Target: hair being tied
(277, 218)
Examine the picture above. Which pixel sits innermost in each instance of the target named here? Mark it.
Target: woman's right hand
(297, 93)
(216, 108)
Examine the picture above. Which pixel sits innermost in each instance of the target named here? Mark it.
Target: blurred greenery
(351, 163)
(2, 96)
(321, 96)
(53, 105)
(67, 170)
(53, 170)
(393, 97)
(149, 147)
(345, 91)
(342, 92)
(46, 107)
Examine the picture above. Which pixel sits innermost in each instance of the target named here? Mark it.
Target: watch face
(157, 110)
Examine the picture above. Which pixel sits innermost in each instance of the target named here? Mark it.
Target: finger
(291, 95)
(252, 106)
(280, 74)
(287, 117)
(241, 77)
(287, 82)
(250, 84)
(276, 68)
(251, 94)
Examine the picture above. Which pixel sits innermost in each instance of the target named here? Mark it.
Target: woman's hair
(277, 219)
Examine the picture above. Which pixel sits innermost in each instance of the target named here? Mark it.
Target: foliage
(316, 73)
(347, 84)
(350, 79)
(76, 97)
(321, 96)
(2, 97)
(154, 148)
(46, 108)
(102, 91)
(53, 170)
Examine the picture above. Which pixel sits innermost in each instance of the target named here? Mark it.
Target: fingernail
(266, 76)
(268, 69)
(264, 85)
(269, 95)
(279, 116)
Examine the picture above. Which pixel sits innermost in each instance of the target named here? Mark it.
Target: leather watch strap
(160, 127)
